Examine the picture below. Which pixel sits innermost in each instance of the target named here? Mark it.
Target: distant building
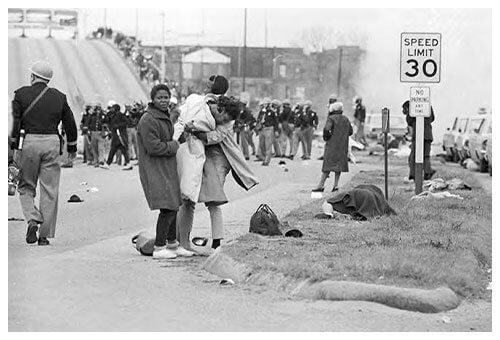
(270, 72)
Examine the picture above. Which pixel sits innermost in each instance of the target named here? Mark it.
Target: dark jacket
(336, 135)
(246, 119)
(286, 115)
(267, 118)
(313, 117)
(411, 121)
(117, 123)
(360, 112)
(45, 116)
(157, 160)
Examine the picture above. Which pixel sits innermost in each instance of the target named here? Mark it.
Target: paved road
(91, 279)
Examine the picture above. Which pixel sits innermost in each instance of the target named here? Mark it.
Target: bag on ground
(144, 242)
(265, 222)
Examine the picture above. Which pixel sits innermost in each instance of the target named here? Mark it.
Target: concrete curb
(411, 299)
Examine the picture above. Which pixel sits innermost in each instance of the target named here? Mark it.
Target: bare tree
(319, 38)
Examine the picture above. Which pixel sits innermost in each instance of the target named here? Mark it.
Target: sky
(466, 44)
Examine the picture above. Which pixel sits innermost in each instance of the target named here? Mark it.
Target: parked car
(489, 154)
(449, 137)
(480, 130)
(373, 126)
(459, 131)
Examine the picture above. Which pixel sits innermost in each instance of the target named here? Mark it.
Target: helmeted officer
(312, 116)
(38, 110)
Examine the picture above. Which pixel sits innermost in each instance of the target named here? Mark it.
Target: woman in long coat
(336, 135)
(158, 171)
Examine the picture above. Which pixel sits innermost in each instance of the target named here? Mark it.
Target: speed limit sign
(420, 58)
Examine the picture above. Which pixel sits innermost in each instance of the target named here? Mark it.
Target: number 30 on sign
(420, 58)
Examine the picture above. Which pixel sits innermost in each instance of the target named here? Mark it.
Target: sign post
(385, 130)
(420, 107)
(420, 63)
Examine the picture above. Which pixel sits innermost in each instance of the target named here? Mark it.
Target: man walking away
(37, 112)
(313, 125)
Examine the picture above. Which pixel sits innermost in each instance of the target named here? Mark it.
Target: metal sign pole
(419, 154)
(385, 130)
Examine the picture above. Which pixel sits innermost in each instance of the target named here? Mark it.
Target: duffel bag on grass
(144, 242)
(265, 222)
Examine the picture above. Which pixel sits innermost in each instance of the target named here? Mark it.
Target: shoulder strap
(33, 103)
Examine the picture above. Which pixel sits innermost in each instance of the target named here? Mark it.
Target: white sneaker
(164, 253)
(104, 166)
(127, 167)
(180, 251)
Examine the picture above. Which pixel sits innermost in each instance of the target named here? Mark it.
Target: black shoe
(335, 189)
(318, 190)
(247, 158)
(411, 178)
(429, 176)
(265, 164)
(67, 166)
(42, 241)
(31, 233)
(290, 157)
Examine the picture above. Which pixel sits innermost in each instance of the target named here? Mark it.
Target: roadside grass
(430, 243)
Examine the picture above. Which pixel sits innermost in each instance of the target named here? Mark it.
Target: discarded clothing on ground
(438, 195)
(438, 184)
(363, 202)
(265, 222)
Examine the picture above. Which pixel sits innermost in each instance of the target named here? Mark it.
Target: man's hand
(189, 127)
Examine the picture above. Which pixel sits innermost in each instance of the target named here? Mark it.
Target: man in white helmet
(37, 112)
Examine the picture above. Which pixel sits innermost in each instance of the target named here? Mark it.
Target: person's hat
(336, 107)
(357, 99)
(75, 199)
(333, 96)
(173, 100)
(275, 102)
(266, 101)
(244, 101)
(287, 101)
(111, 103)
(42, 69)
(219, 84)
(308, 103)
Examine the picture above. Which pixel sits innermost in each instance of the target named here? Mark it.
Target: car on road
(479, 133)
(373, 126)
(452, 136)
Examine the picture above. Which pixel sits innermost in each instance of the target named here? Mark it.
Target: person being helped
(117, 123)
(222, 156)
(38, 110)
(411, 121)
(158, 172)
(336, 135)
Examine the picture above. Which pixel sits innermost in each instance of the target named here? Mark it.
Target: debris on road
(489, 287)
(226, 282)
(93, 189)
(83, 183)
(446, 319)
(439, 184)
(438, 195)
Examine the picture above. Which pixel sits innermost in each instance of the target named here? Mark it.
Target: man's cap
(333, 96)
(266, 101)
(111, 103)
(275, 102)
(75, 199)
(42, 69)
(287, 101)
(308, 103)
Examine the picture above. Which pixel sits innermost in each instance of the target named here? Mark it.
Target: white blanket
(191, 155)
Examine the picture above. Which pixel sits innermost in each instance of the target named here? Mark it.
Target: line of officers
(279, 127)
(110, 134)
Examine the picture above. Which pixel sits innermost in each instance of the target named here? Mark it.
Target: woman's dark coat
(336, 134)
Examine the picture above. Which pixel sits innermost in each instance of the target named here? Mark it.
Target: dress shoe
(318, 190)
(31, 233)
(42, 241)
(335, 189)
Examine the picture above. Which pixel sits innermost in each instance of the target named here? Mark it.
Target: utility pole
(265, 28)
(339, 73)
(137, 24)
(162, 76)
(244, 50)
